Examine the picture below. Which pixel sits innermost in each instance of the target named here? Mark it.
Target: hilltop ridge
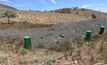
(7, 7)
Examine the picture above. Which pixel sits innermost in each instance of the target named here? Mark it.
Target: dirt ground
(90, 53)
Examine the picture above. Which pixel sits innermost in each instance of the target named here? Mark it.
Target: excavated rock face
(49, 36)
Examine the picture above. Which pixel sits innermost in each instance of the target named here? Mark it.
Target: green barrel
(88, 35)
(27, 42)
(101, 29)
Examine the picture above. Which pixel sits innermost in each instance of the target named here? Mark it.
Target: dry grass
(79, 52)
(54, 18)
(63, 46)
(22, 25)
(67, 53)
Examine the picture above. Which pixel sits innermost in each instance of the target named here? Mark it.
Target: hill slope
(4, 8)
(52, 17)
(56, 17)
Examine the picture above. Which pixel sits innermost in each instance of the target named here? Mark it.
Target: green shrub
(9, 14)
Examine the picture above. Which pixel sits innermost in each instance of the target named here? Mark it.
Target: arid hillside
(77, 14)
(56, 17)
(61, 43)
(4, 8)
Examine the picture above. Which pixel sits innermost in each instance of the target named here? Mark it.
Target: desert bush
(22, 25)
(82, 9)
(97, 37)
(27, 62)
(52, 11)
(79, 41)
(93, 16)
(77, 13)
(63, 46)
(23, 51)
(75, 8)
(63, 10)
(3, 60)
(49, 62)
(9, 14)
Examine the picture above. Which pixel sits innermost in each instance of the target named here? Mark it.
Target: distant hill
(60, 15)
(53, 17)
(4, 8)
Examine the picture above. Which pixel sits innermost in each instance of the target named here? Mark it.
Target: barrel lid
(102, 26)
(88, 31)
(27, 36)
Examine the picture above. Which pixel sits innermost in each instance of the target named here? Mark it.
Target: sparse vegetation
(94, 16)
(75, 8)
(78, 41)
(83, 9)
(64, 10)
(56, 44)
(49, 62)
(63, 46)
(92, 52)
(9, 14)
(22, 25)
(26, 62)
(3, 60)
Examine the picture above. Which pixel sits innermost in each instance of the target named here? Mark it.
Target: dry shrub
(105, 36)
(40, 46)
(63, 47)
(12, 46)
(79, 41)
(97, 37)
(22, 25)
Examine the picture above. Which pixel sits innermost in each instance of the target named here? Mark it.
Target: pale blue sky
(55, 4)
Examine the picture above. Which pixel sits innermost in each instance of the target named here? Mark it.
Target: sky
(99, 5)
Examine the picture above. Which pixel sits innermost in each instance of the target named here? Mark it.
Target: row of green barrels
(89, 33)
(28, 41)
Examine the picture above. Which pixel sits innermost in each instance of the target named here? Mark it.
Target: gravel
(48, 36)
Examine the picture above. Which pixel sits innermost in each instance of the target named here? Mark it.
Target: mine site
(61, 36)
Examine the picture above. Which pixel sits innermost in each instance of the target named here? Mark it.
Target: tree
(75, 8)
(9, 14)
